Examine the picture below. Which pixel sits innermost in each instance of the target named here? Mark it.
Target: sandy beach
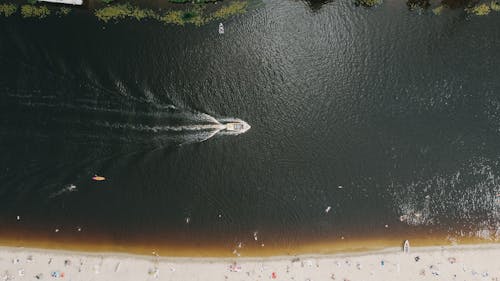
(470, 262)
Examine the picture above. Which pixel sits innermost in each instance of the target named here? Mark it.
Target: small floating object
(188, 219)
(221, 28)
(328, 209)
(18, 218)
(340, 187)
(406, 247)
(98, 178)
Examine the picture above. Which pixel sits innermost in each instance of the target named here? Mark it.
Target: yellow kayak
(98, 178)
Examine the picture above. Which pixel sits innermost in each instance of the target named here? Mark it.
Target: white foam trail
(155, 129)
(199, 137)
(209, 118)
(69, 188)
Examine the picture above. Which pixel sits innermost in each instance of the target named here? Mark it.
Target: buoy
(221, 28)
(98, 178)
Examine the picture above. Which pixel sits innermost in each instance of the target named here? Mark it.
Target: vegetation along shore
(200, 12)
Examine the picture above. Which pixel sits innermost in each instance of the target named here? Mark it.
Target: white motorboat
(235, 127)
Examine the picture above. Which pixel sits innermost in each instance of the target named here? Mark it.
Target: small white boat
(237, 127)
(406, 247)
(221, 28)
(233, 127)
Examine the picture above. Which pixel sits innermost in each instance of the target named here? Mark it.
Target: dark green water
(399, 109)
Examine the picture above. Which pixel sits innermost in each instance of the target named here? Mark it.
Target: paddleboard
(98, 178)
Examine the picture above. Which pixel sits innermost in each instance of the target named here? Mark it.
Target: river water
(390, 119)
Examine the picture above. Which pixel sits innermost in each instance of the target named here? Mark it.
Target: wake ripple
(157, 129)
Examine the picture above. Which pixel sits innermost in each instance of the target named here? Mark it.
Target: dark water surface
(387, 116)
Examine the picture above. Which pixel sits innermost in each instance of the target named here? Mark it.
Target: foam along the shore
(472, 262)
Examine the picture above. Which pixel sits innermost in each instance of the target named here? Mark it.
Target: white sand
(473, 262)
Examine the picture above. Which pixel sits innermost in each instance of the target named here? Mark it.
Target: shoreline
(467, 262)
(242, 249)
(389, 250)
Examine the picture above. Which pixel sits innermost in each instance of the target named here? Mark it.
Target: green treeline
(7, 9)
(32, 11)
(199, 12)
(193, 14)
(196, 15)
(473, 7)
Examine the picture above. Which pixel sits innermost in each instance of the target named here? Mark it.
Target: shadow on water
(316, 5)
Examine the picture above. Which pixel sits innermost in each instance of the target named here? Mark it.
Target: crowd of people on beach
(437, 264)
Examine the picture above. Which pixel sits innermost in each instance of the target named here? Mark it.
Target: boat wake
(180, 134)
(159, 129)
(123, 120)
